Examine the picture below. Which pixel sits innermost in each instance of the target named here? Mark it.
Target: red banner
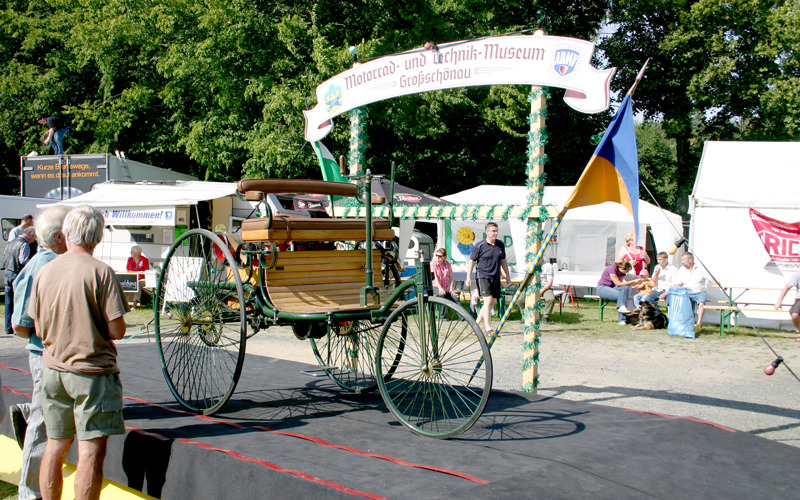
(780, 239)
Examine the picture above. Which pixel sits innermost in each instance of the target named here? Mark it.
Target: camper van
(152, 215)
(12, 208)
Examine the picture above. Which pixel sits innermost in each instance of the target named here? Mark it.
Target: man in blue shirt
(490, 256)
(48, 230)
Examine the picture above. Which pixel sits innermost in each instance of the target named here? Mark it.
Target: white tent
(587, 238)
(732, 178)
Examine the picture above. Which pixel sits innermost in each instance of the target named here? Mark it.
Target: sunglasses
(439, 255)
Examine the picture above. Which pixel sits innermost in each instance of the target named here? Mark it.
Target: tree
(217, 88)
(657, 165)
(719, 70)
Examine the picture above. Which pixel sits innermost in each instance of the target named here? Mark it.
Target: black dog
(650, 317)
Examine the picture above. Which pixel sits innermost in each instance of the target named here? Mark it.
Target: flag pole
(528, 276)
(638, 77)
(546, 242)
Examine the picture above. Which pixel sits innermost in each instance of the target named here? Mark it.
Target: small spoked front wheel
(200, 322)
(347, 354)
(434, 367)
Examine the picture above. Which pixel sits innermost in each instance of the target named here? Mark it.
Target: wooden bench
(729, 314)
(316, 281)
(603, 303)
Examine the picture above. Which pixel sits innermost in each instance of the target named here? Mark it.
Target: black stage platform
(287, 435)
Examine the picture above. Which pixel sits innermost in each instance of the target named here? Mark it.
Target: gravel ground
(715, 379)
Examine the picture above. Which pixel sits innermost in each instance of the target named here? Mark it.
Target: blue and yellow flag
(613, 172)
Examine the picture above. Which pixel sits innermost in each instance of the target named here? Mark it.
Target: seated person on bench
(663, 276)
(137, 262)
(694, 278)
(612, 287)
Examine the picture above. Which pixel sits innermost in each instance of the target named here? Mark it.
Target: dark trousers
(9, 281)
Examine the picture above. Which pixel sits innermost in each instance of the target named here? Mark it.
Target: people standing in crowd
(794, 311)
(77, 305)
(488, 257)
(613, 286)
(637, 256)
(27, 419)
(56, 130)
(26, 221)
(546, 276)
(17, 254)
(692, 277)
(443, 280)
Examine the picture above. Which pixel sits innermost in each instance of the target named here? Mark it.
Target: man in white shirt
(663, 277)
(692, 277)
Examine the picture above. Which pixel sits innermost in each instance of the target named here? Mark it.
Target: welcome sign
(538, 59)
(158, 216)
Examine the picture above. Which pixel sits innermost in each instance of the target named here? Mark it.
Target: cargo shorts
(89, 406)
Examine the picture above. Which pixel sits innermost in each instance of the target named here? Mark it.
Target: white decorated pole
(535, 168)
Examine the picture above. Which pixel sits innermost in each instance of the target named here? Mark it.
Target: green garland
(529, 362)
(527, 346)
(352, 209)
(358, 137)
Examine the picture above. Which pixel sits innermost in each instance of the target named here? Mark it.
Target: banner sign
(160, 216)
(550, 61)
(464, 234)
(62, 177)
(781, 240)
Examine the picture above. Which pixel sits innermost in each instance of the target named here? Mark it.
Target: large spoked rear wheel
(443, 393)
(200, 321)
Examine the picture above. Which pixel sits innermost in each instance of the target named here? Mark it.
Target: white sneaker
(623, 322)
(623, 310)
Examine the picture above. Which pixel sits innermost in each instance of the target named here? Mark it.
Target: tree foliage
(217, 88)
(719, 70)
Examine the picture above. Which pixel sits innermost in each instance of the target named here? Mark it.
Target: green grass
(8, 491)
(139, 316)
(585, 320)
